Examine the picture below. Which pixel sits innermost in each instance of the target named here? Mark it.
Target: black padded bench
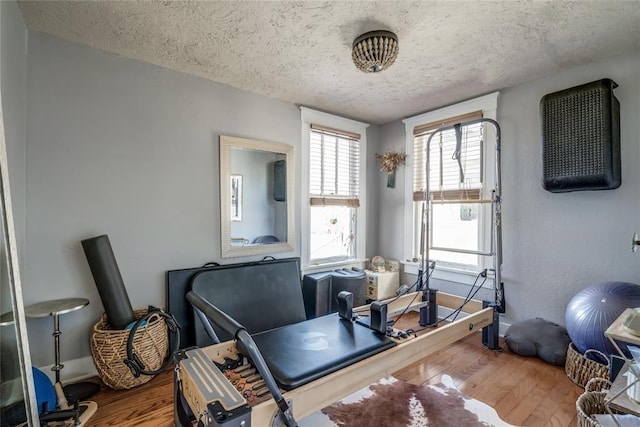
(259, 295)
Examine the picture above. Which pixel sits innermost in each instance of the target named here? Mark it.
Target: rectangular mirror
(256, 197)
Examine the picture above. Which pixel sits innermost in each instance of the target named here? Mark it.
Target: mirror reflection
(256, 195)
(263, 215)
(236, 198)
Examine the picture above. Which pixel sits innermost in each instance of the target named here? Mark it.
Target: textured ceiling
(300, 51)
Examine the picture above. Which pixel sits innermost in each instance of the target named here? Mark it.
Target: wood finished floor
(525, 391)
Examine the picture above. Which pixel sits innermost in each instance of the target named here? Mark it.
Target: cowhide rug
(394, 403)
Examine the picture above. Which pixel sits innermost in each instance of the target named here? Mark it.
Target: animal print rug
(394, 403)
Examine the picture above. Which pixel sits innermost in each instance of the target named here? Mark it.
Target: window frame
(309, 116)
(488, 104)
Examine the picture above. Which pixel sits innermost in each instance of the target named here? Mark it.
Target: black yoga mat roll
(106, 274)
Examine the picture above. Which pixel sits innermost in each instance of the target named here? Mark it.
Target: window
(461, 165)
(334, 175)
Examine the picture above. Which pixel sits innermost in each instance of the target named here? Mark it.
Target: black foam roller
(106, 274)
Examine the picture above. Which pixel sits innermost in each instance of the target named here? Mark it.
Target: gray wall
(373, 182)
(559, 244)
(128, 149)
(391, 200)
(13, 62)
(123, 148)
(554, 244)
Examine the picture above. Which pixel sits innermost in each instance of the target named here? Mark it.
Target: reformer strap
(457, 153)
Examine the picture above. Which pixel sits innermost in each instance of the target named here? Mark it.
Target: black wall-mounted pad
(581, 138)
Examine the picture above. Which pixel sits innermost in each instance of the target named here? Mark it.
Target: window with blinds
(334, 167)
(334, 186)
(455, 157)
(455, 184)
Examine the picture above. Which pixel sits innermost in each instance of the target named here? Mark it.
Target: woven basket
(109, 350)
(580, 369)
(591, 402)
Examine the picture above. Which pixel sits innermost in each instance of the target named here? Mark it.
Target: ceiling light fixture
(375, 51)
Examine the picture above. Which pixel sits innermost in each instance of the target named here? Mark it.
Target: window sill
(316, 268)
(456, 275)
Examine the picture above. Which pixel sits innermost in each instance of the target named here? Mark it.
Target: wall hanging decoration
(390, 161)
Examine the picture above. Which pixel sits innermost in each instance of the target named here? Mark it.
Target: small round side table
(55, 308)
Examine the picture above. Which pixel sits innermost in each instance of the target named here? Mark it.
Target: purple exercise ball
(592, 310)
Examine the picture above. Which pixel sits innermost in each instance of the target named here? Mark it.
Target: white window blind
(334, 174)
(455, 172)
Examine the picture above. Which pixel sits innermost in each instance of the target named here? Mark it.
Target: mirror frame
(226, 144)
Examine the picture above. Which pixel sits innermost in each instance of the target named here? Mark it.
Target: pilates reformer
(207, 395)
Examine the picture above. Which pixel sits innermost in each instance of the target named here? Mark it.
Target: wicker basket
(580, 369)
(109, 350)
(591, 402)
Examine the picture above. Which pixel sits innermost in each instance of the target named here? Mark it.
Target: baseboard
(74, 370)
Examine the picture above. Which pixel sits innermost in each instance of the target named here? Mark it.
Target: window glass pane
(332, 232)
(454, 226)
(450, 230)
(449, 169)
(444, 258)
(459, 226)
(334, 165)
(455, 172)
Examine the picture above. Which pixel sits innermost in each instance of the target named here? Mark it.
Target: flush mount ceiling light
(375, 51)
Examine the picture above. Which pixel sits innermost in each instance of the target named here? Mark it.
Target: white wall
(554, 244)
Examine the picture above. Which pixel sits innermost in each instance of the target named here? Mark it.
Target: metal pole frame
(496, 211)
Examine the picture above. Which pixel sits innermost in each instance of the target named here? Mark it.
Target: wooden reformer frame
(324, 391)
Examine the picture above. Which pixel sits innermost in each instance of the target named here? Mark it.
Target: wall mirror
(256, 197)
